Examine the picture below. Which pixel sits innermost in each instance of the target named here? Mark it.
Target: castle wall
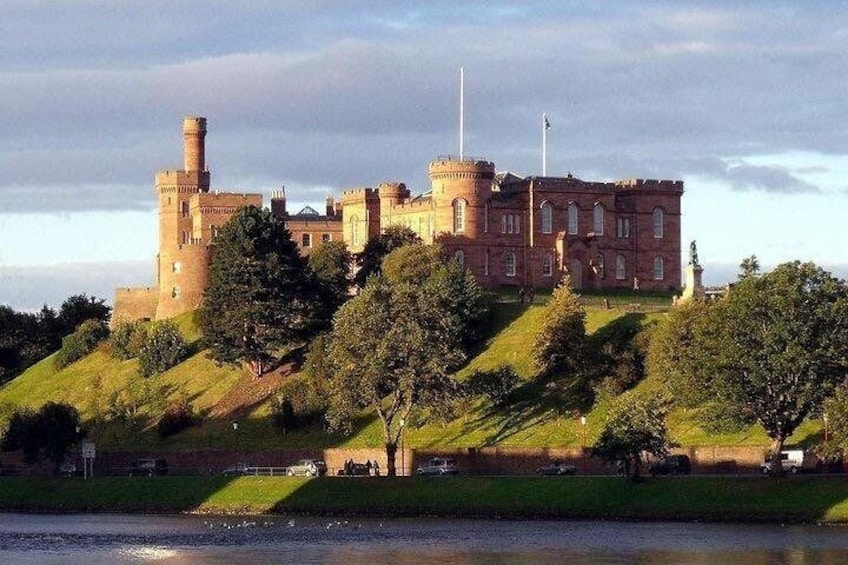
(310, 234)
(360, 217)
(133, 304)
(183, 276)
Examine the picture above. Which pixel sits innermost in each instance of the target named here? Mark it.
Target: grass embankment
(223, 395)
(813, 499)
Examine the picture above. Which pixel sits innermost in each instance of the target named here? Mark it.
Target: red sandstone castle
(506, 229)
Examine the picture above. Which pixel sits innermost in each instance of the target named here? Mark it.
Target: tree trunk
(391, 453)
(776, 461)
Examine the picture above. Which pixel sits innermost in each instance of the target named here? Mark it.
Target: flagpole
(544, 145)
(461, 112)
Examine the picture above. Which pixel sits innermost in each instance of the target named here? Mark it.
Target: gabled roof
(307, 211)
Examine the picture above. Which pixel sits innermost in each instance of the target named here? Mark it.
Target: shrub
(495, 385)
(177, 417)
(298, 403)
(82, 342)
(163, 349)
(127, 340)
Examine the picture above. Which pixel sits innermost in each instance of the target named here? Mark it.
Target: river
(108, 538)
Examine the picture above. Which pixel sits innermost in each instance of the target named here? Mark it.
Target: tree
(559, 345)
(779, 346)
(83, 341)
(259, 299)
(393, 348)
(371, 258)
(127, 340)
(330, 265)
(80, 307)
(749, 267)
(47, 433)
(164, 348)
(635, 425)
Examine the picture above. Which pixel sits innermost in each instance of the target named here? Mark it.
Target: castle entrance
(576, 274)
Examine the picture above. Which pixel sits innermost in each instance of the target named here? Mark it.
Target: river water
(102, 538)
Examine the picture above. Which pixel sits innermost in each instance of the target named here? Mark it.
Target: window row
(306, 239)
(622, 224)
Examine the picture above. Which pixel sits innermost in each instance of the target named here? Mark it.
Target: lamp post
(583, 441)
(402, 454)
(827, 457)
(824, 417)
(235, 431)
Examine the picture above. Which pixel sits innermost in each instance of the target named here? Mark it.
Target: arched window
(354, 230)
(177, 267)
(547, 217)
(620, 268)
(509, 264)
(598, 224)
(486, 263)
(184, 209)
(459, 215)
(572, 219)
(185, 238)
(658, 223)
(175, 292)
(486, 218)
(659, 269)
(460, 257)
(547, 265)
(599, 266)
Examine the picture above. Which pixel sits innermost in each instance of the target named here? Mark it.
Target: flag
(547, 123)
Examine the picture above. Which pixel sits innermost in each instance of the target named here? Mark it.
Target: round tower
(461, 189)
(391, 194)
(194, 143)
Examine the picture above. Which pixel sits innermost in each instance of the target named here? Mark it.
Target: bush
(82, 342)
(298, 403)
(127, 340)
(163, 349)
(495, 385)
(177, 417)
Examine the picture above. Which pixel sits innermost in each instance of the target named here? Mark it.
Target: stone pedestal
(694, 287)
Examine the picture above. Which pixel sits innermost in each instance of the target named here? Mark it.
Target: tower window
(572, 219)
(659, 269)
(620, 268)
(547, 265)
(459, 215)
(547, 217)
(598, 216)
(659, 221)
(177, 267)
(175, 292)
(354, 230)
(184, 209)
(622, 227)
(325, 238)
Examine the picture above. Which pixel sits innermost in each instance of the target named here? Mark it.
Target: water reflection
(189, 539)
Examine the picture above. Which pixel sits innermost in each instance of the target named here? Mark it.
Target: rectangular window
(307, 240)
(510, 264)
(326, 237)
(517, 220)
(622, 226)
(486, 263)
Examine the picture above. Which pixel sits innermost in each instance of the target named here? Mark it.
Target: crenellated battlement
(449, 167)
(652, 184)
(360, 194)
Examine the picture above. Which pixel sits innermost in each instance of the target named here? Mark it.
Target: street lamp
(402, 454)
(583, 441)
(235, 431)
(824, 417)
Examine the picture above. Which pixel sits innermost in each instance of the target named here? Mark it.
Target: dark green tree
(83, 341)
(164, 348)
(330, 266)
(779, 346)
(559, 346)
(48, 433)
(370, 260)
(259, 299)
(394, 348)
(80, 307)
(635, 425)
(749, 267)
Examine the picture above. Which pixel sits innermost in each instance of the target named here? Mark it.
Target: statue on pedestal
(693, 253)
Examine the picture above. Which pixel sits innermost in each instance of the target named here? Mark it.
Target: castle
(506, 229)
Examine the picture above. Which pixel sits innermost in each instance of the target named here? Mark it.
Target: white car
(792, 461)
(307, 468)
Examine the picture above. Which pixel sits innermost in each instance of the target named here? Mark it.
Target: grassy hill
(223, 395)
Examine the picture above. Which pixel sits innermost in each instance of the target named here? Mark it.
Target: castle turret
(391, 194)
(461, 189)
(278, 204)
(194, 143)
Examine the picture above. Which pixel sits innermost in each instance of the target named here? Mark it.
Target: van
(792, 461)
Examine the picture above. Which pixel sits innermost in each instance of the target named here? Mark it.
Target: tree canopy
(370, 260)
(394, 347)
(47, 433)
(330, 265)
(559, 345)
(259, 299)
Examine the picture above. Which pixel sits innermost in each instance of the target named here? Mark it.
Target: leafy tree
(127, 340)
(259, 299)
(393, 348)
(164, 348)
(48, 433)
(750, 267)
(635, 425)
(371, 258)
(80, 307)
(780, 346)
(559, 346)
(836, 409)
(330, 264)
(83, 341)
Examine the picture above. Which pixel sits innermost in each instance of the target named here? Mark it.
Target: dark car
(672, 465)
(557, 468)
(239, 469)
(148, 468)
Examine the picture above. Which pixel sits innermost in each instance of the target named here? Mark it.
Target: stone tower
(183, 259)
(465, 184)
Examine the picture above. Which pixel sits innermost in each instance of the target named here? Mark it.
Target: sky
(742, 101)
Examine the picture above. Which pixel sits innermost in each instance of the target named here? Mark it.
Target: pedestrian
(635, 283)
(521, 295)
(368, 466)
(376, 468)
(531, 294)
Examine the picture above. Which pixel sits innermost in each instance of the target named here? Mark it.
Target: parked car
(239, 469)
(557, 468)
(307, 468)
(67, 469)
(791, 460)
(672, 465)
(148, 467)
(437, 466)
